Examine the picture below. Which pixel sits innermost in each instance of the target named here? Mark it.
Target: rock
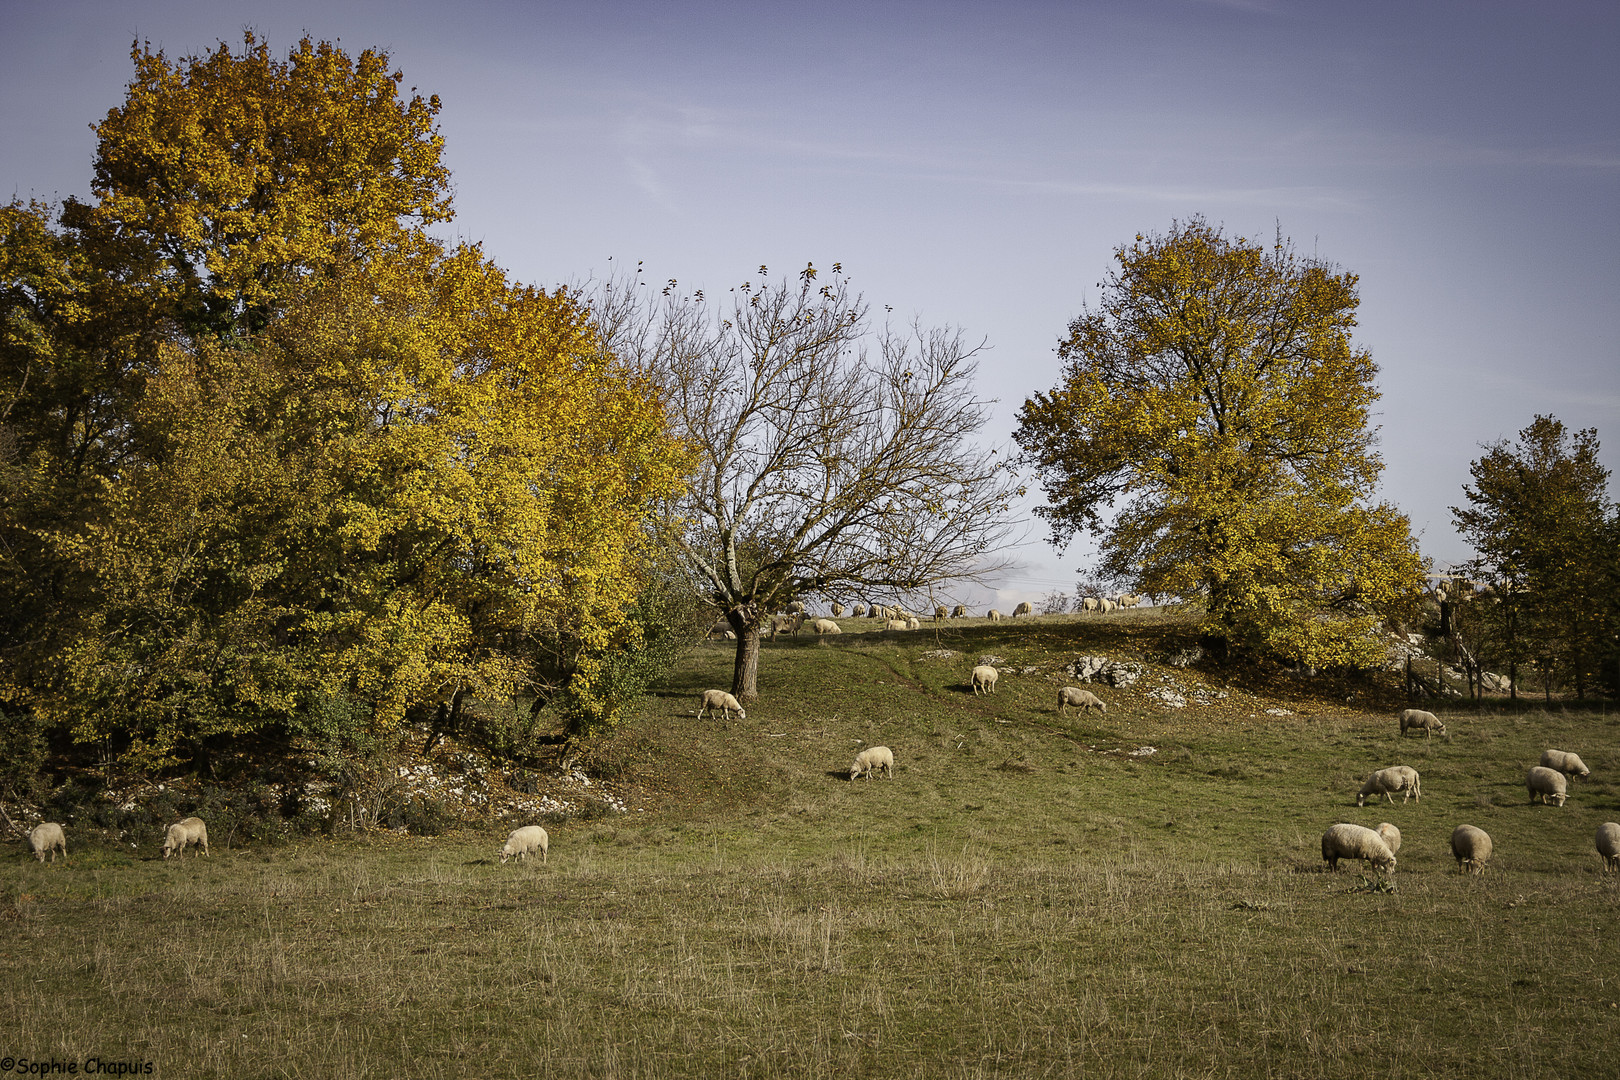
(939, 654)
(1167, 697)
(1182, 658)
(1122, 675)
(993, 661)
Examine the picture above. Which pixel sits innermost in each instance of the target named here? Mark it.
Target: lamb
(825, 626)
(1566, 762)
(1390, 835)
(1385, 782)
(48, 836)
(993, 615)
(1547, 783)
(984, 679)
(1345, 841)
(1425, 721)
(525, 842)
(1023, 609)
(719, 699)
(1085, 699)
(897, 624)
(1472, 849)
(870, 760)
(191, 830)
(1608, 845)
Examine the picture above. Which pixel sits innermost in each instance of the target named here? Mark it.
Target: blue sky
(975, 164)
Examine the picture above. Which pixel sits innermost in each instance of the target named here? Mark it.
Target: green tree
(833, 459)
(1540, 519)
(1216, 392)
(271, 447)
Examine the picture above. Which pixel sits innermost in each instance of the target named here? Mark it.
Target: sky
(977, 164)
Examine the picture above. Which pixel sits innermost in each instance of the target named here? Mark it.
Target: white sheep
(1085, 699)
(48, 836)
(1608, 845)
(825, 626)
(719, 699)
(958, 611)
(1091, 603)
(897, 624)
(1129, 601)
(1471, 848)
(984, 679)
(1108, 606)
(994, 615)
(1023, 609)
(190, 830)
(1385, 782)
(859, 612)
(913, 623)
(1425, 721)
(525, 842)
(941, 614)
(870, 760)
(1390, 835)
(1565, 761)
(1547, 783)
(1344, 841)
(837, 610)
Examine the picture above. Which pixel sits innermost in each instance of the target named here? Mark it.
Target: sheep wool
(1385, 782)
(984, 679)
(1565, 761)
(190, 831)
(1608, 845)
(1426, 722)
(1390, 835)
(719, 699)
(1471, 848)
(1085, 699)
(870, 760)
(1547, 784)
(525, 842)
(1346, 841)
(48, 836)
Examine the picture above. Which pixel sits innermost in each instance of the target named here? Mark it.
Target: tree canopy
(833, 459)
(1215, 404)
(268, 444)
(1540, 518)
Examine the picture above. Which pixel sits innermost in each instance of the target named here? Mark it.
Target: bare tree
(833, 458)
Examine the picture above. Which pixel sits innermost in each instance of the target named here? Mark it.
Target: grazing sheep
(993, 615)
(1023, 609)
(730, 635)
(1345, 841)
(1390, 835)
(1385, 782)
(1091, 603)
(897, 624)
(1567, 762)
(1129, 601)
(525, 842)
(870, 760)
(1108, 606)
(797, 607)
(1608, 845)
(959, 611)
(1548, 783)
(48, 836)
(941, 614)
(984, 679)
(1426, 721)
(913, 623)
(837, 610)
(825, 626)
(859, 612)
(719, 699)
(1472, 849)
(1085, 699)
(190, 830)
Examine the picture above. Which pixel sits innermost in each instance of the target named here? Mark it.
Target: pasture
(1033, 894)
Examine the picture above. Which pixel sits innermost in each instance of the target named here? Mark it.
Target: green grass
(1023, 899)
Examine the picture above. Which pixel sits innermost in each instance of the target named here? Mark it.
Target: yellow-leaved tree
(276, 456)
(1215, 404)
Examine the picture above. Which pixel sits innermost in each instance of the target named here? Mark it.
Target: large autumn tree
(1211, 424)
(269, 446)
(1540, 518)
(833, 458)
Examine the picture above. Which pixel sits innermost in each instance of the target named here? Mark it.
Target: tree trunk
(745, 672)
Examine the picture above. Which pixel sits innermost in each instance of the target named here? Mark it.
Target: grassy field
(1032, 895)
